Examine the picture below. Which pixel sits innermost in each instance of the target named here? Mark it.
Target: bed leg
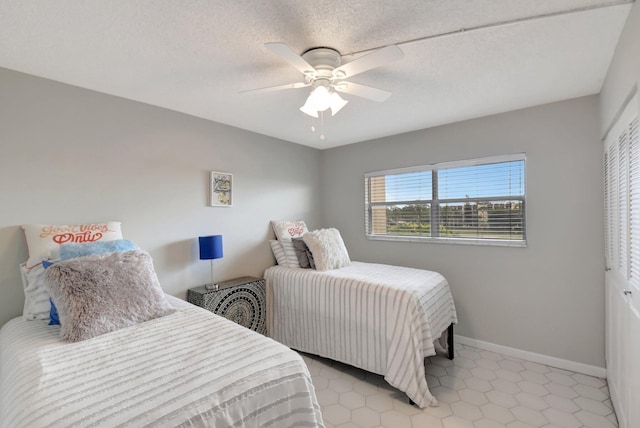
(450, 340)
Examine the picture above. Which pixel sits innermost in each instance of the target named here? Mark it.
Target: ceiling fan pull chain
(322, 125)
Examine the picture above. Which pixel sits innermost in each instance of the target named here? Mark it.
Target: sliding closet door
(632, 293)
(616, 186)
(634, 361)
(622, 250)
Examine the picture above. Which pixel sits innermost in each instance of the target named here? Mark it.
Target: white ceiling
(194, 56)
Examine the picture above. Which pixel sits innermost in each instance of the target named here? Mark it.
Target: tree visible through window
(480, 200)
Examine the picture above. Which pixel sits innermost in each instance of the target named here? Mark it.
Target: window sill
(459, 241)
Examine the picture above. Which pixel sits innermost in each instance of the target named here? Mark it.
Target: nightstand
(242, 300)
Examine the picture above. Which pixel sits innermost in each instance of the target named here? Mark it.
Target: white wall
(547, 298)
(624, 70)
(69, 155)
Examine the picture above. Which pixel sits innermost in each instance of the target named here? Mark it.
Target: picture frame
(221, 189)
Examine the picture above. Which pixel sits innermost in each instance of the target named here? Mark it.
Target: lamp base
(212, 287)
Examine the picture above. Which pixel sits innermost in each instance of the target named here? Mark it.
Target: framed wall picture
(221, 189)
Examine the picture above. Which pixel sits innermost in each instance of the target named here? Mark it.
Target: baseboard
(560, 363)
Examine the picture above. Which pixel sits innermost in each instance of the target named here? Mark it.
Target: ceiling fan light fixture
(319, 100)
(322, 98)
(336, 102)
(309, 109)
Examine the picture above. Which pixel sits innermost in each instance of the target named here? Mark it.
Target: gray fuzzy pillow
(104, 292)
(305, 258)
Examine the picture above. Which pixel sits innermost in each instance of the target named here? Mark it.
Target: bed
(187, 369)
(101, 344)
(380, 318)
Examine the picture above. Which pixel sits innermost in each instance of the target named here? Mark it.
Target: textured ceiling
(196, 56)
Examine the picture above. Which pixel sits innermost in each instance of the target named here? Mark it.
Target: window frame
(435, 203)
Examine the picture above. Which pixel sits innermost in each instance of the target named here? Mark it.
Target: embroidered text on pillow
(78, 233)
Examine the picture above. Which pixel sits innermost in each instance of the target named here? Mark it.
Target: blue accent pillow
(53, 312)
(72, 250)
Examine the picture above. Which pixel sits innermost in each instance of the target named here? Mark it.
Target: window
(475, 201)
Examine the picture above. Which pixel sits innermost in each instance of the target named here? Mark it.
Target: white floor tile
(456, 422)
(529, 416)
(393, 418)
(533, 388)
(365, 417)
(472, 396)
(487, 423)
(336, 414)
(352, 400)
(466, 410)
(561, 419)
(502, 399)
(379, 402)
(478, 389)
(561, 403)
(593, 406)
(497, 413)
(591, 420)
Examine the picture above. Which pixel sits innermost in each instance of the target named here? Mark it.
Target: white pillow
(43, 239)
(278, 252)
(285, 229)
(328, 249)
(290, 253)
(43, 243)
(36, 295)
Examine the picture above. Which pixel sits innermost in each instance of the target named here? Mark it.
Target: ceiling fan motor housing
(323, 60)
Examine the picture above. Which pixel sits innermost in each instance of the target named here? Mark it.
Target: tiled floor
(478, 389)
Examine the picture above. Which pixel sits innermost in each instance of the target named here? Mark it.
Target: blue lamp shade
(210, 247)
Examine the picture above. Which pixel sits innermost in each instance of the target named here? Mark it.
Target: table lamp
(210, 249)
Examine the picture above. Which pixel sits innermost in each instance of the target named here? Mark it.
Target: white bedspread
(190, 369)
(380, 318)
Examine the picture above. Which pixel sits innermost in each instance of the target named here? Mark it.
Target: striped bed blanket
(380, 318)
(188, 369)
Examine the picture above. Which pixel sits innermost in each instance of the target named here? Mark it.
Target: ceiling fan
(324, 72)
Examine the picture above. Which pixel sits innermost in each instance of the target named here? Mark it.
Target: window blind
(623, 183)
(480, 200)
(611, 200)
(633, 136)
(622, 195)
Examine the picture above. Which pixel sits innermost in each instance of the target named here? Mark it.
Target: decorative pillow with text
(285, 229)
(44, 239)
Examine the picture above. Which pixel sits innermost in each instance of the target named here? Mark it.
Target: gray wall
(546, 298)
(69, 155)
(624, 70)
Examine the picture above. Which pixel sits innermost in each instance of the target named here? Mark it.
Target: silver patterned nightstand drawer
(241, 300)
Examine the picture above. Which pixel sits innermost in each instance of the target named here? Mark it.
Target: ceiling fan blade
(363, 91)
(277, 88)
(374, 59)
(286, 53)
